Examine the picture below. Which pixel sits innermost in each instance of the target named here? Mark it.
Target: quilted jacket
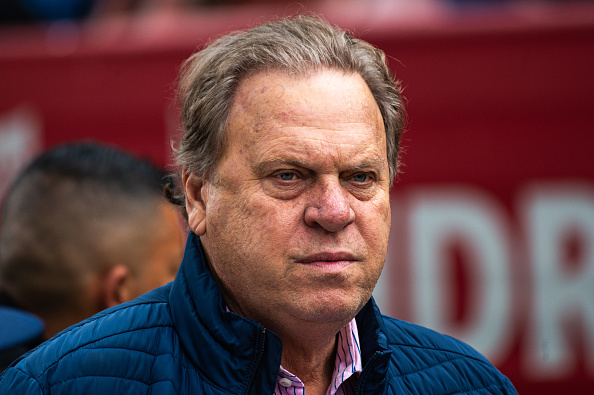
(179, 339)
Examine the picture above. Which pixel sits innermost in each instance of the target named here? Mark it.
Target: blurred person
(85, 227)
(290, 147)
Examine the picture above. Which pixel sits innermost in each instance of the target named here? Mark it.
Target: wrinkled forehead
(276, 99)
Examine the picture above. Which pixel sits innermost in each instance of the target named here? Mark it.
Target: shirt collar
(347, 362)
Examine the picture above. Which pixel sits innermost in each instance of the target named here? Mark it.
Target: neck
(309, 347)
(312, 362)
(310, 355)
(55, 323)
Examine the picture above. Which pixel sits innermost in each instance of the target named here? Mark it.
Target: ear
(116, 286)
(195, 204)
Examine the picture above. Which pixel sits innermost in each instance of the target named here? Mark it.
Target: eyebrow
(262, 167)
(370, 164)
(265, 166)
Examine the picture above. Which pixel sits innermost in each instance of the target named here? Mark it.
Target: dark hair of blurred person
(85, 227)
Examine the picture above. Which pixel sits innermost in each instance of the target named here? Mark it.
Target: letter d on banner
(475, 222)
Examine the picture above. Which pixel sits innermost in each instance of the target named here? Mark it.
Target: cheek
(268, 217)
(259, 227)
(374, 224)
(384, 211)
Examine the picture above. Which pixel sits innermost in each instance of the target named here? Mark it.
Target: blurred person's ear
(116, 286)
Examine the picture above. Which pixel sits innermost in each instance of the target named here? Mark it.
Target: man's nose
(329, 207)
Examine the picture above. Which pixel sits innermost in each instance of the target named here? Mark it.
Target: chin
(326, 308)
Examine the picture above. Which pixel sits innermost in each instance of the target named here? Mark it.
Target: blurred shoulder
(129, 334)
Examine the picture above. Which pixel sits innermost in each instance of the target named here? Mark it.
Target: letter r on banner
(563, 290)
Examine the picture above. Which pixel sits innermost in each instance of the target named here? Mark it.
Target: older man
(290, 148)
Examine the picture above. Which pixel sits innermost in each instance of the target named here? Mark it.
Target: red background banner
(493, 215)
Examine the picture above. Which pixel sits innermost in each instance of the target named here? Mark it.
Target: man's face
(296, 217)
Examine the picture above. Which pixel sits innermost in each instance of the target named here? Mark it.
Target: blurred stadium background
(493, 215)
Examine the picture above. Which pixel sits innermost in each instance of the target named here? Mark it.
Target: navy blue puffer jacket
(179, 339)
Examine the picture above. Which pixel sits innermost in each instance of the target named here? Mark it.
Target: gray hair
(300, 45)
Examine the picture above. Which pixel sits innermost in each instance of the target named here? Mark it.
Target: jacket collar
(375, 353)
(230, 351)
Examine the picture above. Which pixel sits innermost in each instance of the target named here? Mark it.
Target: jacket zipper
(365, 372)
(261, 341)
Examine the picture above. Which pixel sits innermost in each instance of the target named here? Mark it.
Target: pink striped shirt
(347, 364)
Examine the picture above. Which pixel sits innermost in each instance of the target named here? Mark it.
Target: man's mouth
(329, 260)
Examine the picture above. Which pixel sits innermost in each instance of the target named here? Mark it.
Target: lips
(328, 257)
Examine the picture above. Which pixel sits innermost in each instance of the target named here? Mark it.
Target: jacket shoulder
(437, 363)
(123, 342)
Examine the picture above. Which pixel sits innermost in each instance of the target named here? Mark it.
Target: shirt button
(285, 382)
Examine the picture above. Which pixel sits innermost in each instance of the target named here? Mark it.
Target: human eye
(362, 178)
(361, 184)
(285, 184)
(286, 175)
